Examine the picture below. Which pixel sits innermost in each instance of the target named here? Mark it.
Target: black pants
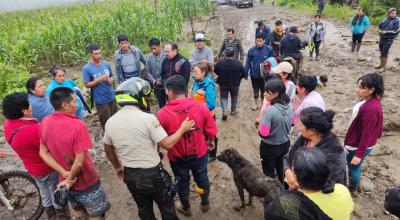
(384, 46)
(146, 186)
(272, 158)
(161, 96)
(258, 87)
(357, 38)
(317, 44)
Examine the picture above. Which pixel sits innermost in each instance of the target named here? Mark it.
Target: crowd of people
(318, 173)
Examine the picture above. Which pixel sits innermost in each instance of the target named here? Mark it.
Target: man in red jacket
(190, 153)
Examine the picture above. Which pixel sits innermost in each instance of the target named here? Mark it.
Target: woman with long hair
(274, 128)
(366, 125)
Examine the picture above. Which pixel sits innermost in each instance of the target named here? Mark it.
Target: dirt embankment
(381, 169)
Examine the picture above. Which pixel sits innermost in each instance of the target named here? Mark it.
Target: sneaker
(234, 112)
(185, 212)
(224, 116)
(205, 207)
(254, 107)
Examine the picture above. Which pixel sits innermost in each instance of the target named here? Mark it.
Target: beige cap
(283, 67)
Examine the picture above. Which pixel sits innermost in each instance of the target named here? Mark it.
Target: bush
(12, 79)
(375, 9)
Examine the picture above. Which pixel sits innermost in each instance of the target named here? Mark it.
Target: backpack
(191, 136)
(265, 67)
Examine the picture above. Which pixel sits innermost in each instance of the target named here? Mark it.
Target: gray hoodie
(279, 118)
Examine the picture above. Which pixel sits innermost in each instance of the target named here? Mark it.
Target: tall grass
(309, 7)
(61, 35)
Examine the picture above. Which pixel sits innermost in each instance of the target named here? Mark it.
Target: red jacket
(194, 142)
(366, 128)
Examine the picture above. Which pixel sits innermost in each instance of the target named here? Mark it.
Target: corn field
(61, 35)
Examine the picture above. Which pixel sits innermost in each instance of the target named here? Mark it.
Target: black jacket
(177, 66)
(230, 72)
(276, 42)
(290, 46)
(335, 153)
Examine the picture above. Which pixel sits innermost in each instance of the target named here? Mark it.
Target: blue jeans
(355, 171)
(47, 185)
(321, 7)
(224, 93)
(181, 169)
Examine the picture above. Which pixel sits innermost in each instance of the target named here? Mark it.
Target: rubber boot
(353, 47)
(51, 213)
(224, 116)
(63, 213)
(380, 64)
(185, 206)
(205, 203)
(383, 65)
(359, 58)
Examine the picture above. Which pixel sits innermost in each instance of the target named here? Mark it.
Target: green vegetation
(31, 39)
(375, 9)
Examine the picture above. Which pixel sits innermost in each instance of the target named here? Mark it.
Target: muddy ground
(381, 169)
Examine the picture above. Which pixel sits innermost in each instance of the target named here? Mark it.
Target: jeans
(321, 7)
(181, 169)
(47, 185)
(355, 171)
(146, 186)
(258, 87)
(272, 159)
(384, 46)
(224, 93)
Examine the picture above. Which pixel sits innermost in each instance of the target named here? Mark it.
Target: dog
(249, 177)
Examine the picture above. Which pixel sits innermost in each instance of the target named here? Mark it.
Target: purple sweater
(366, 127)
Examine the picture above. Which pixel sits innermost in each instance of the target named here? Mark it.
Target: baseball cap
(283, 67)
(199, 36)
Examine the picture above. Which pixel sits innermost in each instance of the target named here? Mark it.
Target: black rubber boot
(63, 213)
(51, 213)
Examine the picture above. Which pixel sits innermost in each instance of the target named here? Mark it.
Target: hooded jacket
(391, 26)
(360, 26)
(335, 153)
(194, 142)
(276, 123)
(255, 57)
(230, 72)
(208, 86)
(290, 46)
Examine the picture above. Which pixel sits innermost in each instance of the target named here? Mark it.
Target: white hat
(283, 67)
(199, 36)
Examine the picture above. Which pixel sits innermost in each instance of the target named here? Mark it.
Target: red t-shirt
(26, 143)
(66, 136)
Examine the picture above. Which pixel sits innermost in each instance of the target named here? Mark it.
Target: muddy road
(381, 169)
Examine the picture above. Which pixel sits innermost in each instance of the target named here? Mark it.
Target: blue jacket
(290, 46)
(208, 86)
(266, 32)
(359, 27)
(255, 57)
(68, 84)
(391, 26)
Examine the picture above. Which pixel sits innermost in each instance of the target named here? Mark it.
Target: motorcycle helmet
(133, 92)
